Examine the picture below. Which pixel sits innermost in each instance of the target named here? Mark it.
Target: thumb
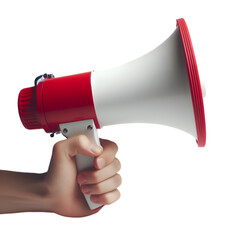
(82, 145)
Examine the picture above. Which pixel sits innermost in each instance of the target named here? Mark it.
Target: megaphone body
(162, 87)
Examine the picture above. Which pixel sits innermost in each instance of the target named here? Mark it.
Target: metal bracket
(42, 77)
(85, 127)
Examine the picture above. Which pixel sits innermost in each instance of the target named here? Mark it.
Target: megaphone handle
(87, 128)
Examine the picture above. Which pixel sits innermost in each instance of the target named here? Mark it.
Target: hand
(62, 181)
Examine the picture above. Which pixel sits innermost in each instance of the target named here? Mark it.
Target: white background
(171, 188)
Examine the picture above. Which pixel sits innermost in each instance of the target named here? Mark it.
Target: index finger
(108, 154)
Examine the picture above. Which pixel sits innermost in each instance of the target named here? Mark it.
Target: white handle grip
(87, 128)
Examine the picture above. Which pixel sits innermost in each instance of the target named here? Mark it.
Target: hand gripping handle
(87, 128)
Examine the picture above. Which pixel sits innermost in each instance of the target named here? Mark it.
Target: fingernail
(101, 162)
(96, 149)
(81, 179)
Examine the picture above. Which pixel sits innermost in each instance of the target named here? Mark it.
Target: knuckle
(117, 195)
(111, 197)
(94, 176)
(97, 187)
(81, 143)
(58, 146)
(117, 164)
(107, 199)
(110, 144)
(80, 140)
(115, 146)
(118, 179)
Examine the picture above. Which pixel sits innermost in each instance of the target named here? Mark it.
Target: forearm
(23, 192)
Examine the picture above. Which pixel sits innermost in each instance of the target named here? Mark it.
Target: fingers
(79, 145)
(103, 192)
(102, 183)
(97, 176)
(102, 187)
(107, 198)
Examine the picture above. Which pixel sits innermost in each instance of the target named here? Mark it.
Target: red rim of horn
(194, 81)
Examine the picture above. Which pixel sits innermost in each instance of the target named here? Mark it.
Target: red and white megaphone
(161, 87)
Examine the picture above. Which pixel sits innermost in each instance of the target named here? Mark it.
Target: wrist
(24, 192)
(39, 196)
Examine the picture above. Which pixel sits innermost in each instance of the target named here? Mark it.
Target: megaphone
(160, 87)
